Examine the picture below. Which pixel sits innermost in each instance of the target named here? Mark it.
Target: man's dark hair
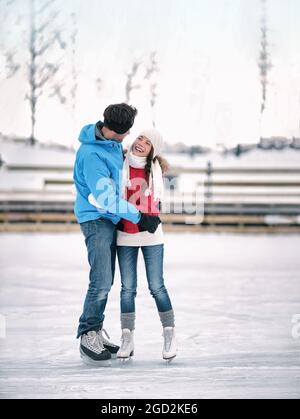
(120, 117)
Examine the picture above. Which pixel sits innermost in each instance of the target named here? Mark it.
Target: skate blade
(169, 360)
(123, 360)
(92, 363)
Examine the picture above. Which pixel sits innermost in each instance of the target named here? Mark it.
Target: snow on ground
(234, 297)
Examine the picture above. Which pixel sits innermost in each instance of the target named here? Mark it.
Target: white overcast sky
(208, 85)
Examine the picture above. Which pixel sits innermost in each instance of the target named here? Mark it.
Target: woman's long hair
(161, 160)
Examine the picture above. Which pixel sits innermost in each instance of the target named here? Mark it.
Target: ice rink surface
(235, 299)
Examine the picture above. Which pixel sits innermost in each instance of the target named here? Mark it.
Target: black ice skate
(92, 350)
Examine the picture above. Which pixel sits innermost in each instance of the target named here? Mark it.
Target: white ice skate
(126, 350)
(170, 346)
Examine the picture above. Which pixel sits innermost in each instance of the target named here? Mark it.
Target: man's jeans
(153, 257)
(100, 239)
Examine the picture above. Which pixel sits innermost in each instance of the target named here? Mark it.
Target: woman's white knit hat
(156, 139)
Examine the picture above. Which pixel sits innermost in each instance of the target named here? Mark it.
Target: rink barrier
(190, 221)
(174, 170)
(259, 202)
(168, 228)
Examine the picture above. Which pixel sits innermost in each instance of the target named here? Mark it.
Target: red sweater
(145, 204)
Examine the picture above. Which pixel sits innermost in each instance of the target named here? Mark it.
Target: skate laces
(94, 341)
(103, 330)
(102, 338)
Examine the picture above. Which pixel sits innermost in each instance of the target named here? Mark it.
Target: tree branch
(52, 70)
(11, 66)
(45, 6)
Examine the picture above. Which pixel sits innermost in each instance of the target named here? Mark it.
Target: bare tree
(74, 71)
(130, 86)
(151, 69)
(41, 69)
(264, 57)
(11, 66)
(99, 84)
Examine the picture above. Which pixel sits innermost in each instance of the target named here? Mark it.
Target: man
(98, 165)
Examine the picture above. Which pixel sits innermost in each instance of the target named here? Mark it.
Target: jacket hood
(87, 136)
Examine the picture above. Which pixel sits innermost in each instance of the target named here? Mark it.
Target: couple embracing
(117, 207)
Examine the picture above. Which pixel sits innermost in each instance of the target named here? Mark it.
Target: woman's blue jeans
(153, 257)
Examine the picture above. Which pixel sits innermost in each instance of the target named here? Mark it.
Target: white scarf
(156, 184)
(137, 162)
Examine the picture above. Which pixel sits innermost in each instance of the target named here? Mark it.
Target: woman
(143, 187)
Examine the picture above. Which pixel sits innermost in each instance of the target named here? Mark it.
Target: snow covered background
(207, 53)
(234, 297)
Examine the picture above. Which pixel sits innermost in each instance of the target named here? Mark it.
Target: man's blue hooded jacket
(98, 170)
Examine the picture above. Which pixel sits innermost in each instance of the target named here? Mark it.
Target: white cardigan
(144, 238)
